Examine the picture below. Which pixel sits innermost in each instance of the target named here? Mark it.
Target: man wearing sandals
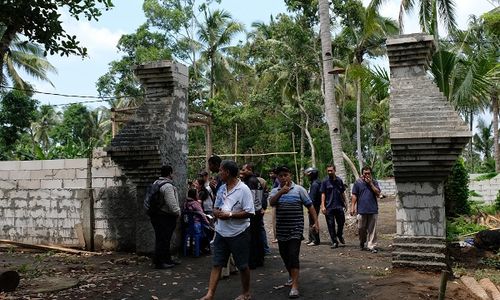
(233, 208)
(365, 193)
(288, 198)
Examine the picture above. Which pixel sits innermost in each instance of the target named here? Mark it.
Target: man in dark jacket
(333, 205)
(315, 195)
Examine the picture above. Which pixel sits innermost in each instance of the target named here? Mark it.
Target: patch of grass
(486, 176)
(473, 193)
(461, 226)
(29, 271)
(476, 207)
(382, 272)
(493, 275)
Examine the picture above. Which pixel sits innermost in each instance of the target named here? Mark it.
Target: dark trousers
(314, 235)
(332, 217)
(164, 226)
(256, 258)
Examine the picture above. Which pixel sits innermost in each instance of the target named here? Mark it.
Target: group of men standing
(329, 198)
(239, 208)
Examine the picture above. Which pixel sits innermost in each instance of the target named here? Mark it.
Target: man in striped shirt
(288, 198)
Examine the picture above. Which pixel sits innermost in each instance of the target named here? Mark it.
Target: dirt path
(342, 273)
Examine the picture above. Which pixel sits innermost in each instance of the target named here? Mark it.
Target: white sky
(78, 76)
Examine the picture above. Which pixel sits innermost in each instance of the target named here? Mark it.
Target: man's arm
(354, 200)
(170, 196)
(323, 203)
(313, 215)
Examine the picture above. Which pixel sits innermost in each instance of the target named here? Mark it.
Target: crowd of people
(229, 206)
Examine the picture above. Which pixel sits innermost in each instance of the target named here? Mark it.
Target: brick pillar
(427, 135)
(156, 135)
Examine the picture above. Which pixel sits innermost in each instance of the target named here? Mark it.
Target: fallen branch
(47, 247)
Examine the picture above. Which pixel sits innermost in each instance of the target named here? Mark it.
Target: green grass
(486, 176)
(460, 226)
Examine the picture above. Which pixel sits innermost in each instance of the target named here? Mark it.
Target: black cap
(282, 169)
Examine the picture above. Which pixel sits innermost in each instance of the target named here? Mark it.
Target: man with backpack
(162, 205)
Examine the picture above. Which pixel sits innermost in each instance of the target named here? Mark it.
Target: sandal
(294, 293)
(288, 282)
(243, 297)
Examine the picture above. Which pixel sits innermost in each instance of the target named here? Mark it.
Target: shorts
(238, 246)
(289, 252)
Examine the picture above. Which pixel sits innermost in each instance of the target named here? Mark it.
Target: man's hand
(315, 227)
(353, 211)
(220, 214)
(323, 209)
(213, 183)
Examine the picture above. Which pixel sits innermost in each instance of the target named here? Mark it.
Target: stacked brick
(427, 136)
(156, 135)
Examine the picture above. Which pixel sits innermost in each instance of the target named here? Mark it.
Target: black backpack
(154, 200)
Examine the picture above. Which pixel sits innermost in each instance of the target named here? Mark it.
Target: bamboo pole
(295, 157)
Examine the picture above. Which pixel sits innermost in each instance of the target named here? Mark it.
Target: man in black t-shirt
(333, 205)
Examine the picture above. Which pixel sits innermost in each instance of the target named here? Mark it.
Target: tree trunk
(5, 40)
(302, 149)
(331, 109)
(494, 105)
(358, 123)
(309, 137)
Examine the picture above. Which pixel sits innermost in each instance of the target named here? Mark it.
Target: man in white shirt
(233, 208)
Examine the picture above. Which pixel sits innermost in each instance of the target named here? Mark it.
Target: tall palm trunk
(331, 110)
(494, 105)
(358, 123)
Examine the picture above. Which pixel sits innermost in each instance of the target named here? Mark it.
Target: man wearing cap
(315, 196)
(289, 199)
(333, 205)
(233, 208)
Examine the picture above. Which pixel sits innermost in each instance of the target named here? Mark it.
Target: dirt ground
(342, 273)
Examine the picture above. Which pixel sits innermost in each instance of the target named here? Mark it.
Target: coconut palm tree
(216, 34)
(364, 35)
(28, 57)
(331, 110)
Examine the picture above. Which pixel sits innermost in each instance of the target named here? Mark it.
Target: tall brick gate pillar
(156, 135)
(427, 135)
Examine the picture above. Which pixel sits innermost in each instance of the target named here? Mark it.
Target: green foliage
(497, 202)
(456, 191)
(486, 176)
(41, 22)
(460, 226)
(16, 113)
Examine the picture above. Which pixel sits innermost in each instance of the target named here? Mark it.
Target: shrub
(456, 191)
(497, 202)
(460, 227)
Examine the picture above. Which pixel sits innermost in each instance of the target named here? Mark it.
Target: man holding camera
(365, 193)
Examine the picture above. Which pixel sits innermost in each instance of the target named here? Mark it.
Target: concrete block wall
(487, 189)
(388, 186)
(43, 201)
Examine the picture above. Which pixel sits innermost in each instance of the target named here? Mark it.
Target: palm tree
(47, 119)
(483, 142)
(365, 35)
(26, 56)
(428, 13)
(331, 110)
(216, 34)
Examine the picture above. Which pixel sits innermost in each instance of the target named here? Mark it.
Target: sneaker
(288, 282)
(341, 240)
(373, 250)
(312, 244)
(294, 293)
(164, 266)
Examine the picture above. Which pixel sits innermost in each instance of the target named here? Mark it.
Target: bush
(456, 191)
(461, 227)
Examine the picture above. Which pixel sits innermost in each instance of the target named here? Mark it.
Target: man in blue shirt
(333, 205)
(289, 200)
(365, 193)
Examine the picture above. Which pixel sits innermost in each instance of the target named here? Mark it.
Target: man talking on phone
(365, 193)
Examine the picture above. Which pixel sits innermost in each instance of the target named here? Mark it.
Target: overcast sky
(78, 76)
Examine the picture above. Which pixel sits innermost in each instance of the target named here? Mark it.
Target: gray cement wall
(45, 202)
(487, 189)
(420, 210)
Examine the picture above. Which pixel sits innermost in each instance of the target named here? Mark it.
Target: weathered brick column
(427, 135)
(156, 135)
